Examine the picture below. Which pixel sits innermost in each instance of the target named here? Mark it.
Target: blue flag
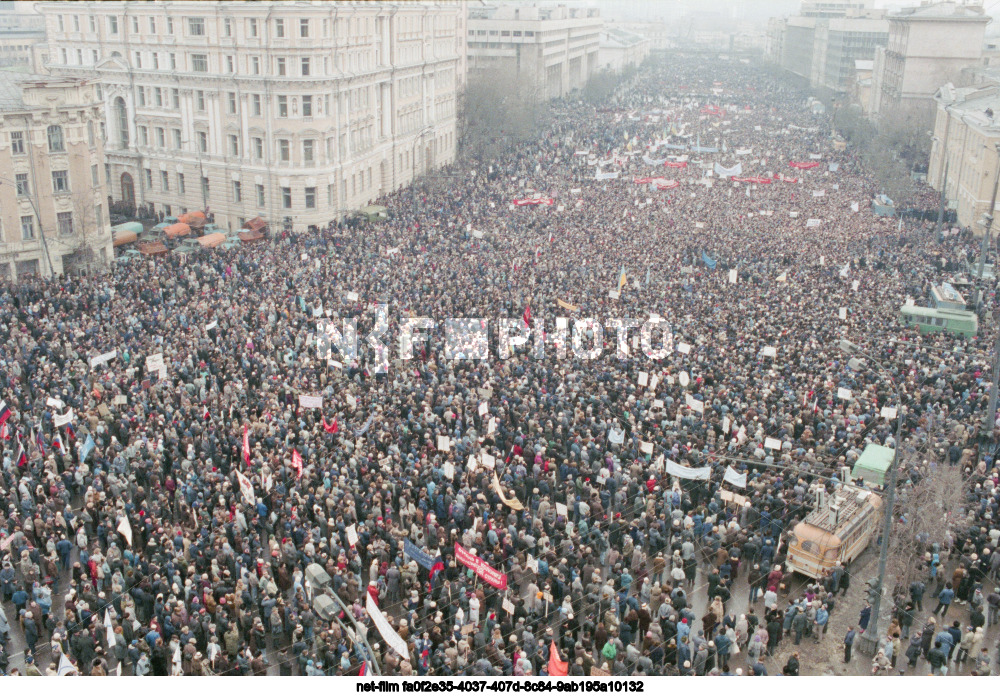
(708, 262)
(87, 448)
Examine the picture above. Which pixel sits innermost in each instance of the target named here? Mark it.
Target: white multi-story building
(556, 48)
(53, 192)
(294, 111)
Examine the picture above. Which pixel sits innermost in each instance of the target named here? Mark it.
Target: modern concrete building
(861, 84)
(963, 152)
(658, 33)
(823, 49)
(556, 48)
(928, 46)
(294, 111)
(621, 49)
(53, 188)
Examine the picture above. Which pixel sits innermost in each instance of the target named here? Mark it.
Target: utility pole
(987, 229)
(991, 413)
(944, 183)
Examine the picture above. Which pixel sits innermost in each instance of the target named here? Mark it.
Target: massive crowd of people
(130, 546)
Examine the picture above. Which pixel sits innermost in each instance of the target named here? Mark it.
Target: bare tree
(88, 232)
(498, 110)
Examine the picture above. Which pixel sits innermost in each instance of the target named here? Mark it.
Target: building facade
(622, 49)
(53, 189)
(964, 149)
(928, 46)
(295, 112)
(556, 48)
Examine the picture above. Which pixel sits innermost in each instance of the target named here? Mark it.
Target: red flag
(4, 431)
(527, 316)
(332, 427)
(207, 416)
(297, 463)
(557, 668)
(246, 445)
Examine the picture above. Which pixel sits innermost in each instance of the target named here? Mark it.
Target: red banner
(665, 186)
(787, 179)
(713, 110)
(533, 201)
(803, 165)
(661, 183)
(676, 165)
(752, 179)
(478, 566)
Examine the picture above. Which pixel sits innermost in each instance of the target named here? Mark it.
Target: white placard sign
(684, 378)
(843, 313)
(154, 362)
(643, 379)
(352, 535)
(444, 443)
(351, 297)
(561, 510)
(103, 358)
(888, 412)
(60, 421)
(306, 401)
(684, 348)
(772, 443)
(489, 461)
(484, 408)
(55, 403)
(212, 325)
(844, 394)
(646, 447)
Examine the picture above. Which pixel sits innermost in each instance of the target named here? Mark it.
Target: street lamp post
(868, 641)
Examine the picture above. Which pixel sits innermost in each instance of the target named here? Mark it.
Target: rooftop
(951, 11)
(12, 86)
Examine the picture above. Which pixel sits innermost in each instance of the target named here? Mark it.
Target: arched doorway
(128, 190)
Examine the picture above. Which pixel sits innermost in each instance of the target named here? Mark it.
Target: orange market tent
(195, 219)
(178, 229)
(153, 249)
(210, 241)
(124, 237)
(251, 237)
(256, 224)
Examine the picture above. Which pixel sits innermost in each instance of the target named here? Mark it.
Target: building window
(165, 181)
(200, 99)
(94, 175)
(286, 197)
(59, 19)
(329, 194)
(180, 184)
(138, 60)
(112, 25)
(135, 25)
(170, 25)
(279, 28)
(253, 28)
(230, 65)
(202, 141)
(93, 24)
(258, 147)
(156, 61)
(199, 62)
(196, 26)
(17, 142)
(152, 25)
(140, 93)
(305, 67)
(280, 63)
(284, 152)
(232, 102)
(159, 138)
(282, 106)
(308, 149)
(304, 28)
(149, 179)
(237, 192)
(255, 101)
(234, 145)
(175, 98)
(260, 195)
(65, 223)
(307, 105)
(21, 182)
(56, 139)
(60, 181)
(27, 227)
(177, 138)
(311, 197)
(255, 65)
(143, 135)
(227, 27)
(90, 133)
(158, 96)
(204, 187)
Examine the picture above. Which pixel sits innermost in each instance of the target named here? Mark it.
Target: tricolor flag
(4, 411)
(330, 427)
(621, 279)
(363, 669)
(207, 416)
(246, 446)
(39, 441)
(57, 444)
(22, 456)
(4, 431)
(70, 433)
(527, 316)
(297, 463)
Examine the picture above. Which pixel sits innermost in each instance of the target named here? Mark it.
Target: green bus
(929, 319)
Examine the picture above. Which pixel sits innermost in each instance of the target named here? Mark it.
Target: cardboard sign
(351, 297)
(772, 443)
(443, 443)
(352, 535)
(844, 394)
(310, 401)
